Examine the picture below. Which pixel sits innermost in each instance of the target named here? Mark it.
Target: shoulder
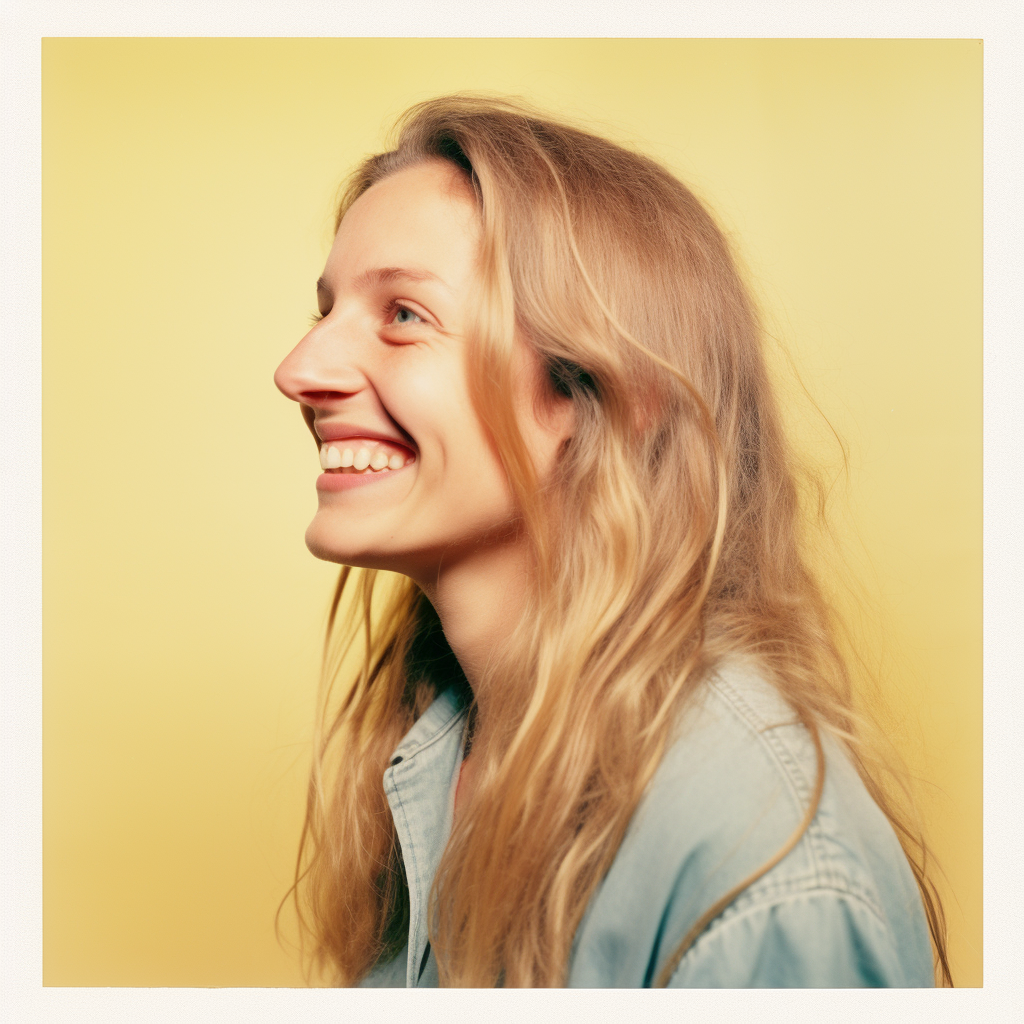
(733, 787)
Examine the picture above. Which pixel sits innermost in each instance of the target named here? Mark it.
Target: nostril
(313, 397)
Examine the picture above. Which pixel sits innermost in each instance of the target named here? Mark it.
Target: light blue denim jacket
(842, 909)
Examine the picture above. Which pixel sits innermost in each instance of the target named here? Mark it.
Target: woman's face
(382, 380)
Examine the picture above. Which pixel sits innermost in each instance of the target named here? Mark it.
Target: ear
(560, 417)
(646, 413)
(553, 405)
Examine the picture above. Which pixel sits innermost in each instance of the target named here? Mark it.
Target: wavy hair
(667, 540)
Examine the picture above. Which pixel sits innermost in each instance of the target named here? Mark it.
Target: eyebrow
(380, 276)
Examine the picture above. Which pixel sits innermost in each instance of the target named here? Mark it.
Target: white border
(23, 24)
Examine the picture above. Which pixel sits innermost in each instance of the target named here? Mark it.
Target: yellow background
(187, 193)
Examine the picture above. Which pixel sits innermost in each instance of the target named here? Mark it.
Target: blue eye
(405, 316)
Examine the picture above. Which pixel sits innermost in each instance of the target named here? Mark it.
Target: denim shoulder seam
(769, 888)
(778, 895)
(790, 769)
(764, 732)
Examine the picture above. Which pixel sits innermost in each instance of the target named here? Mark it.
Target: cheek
(460, 478)
(423, 387)
(469, 474)
(430, 400)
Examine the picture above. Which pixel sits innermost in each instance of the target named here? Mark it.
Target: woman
(602, 735)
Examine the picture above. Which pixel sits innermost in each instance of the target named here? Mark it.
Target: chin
(322, 542)
(324, 546)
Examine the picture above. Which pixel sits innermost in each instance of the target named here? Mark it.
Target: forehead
(423, 217)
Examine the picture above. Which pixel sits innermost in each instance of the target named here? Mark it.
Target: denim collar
(420, 787)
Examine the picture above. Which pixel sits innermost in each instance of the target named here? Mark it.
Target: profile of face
(412, 481)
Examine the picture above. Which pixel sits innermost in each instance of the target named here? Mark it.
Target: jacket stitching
(411, 853)
(827, 865)
(401, 770)
(778, 896)
(442, 729)
(791, 770)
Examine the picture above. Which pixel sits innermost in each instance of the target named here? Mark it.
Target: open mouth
(362, 456)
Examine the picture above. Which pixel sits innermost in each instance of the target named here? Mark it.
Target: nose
(316, 371)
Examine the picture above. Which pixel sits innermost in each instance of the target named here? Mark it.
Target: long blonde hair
(667, 540)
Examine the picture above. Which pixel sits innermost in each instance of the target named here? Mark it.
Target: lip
(343, 431)
(346, 481)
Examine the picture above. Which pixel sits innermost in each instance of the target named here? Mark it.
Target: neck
(478, 599)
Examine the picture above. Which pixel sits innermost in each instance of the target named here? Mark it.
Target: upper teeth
(358, 457)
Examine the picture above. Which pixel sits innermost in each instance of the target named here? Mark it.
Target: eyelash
(389, 309)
